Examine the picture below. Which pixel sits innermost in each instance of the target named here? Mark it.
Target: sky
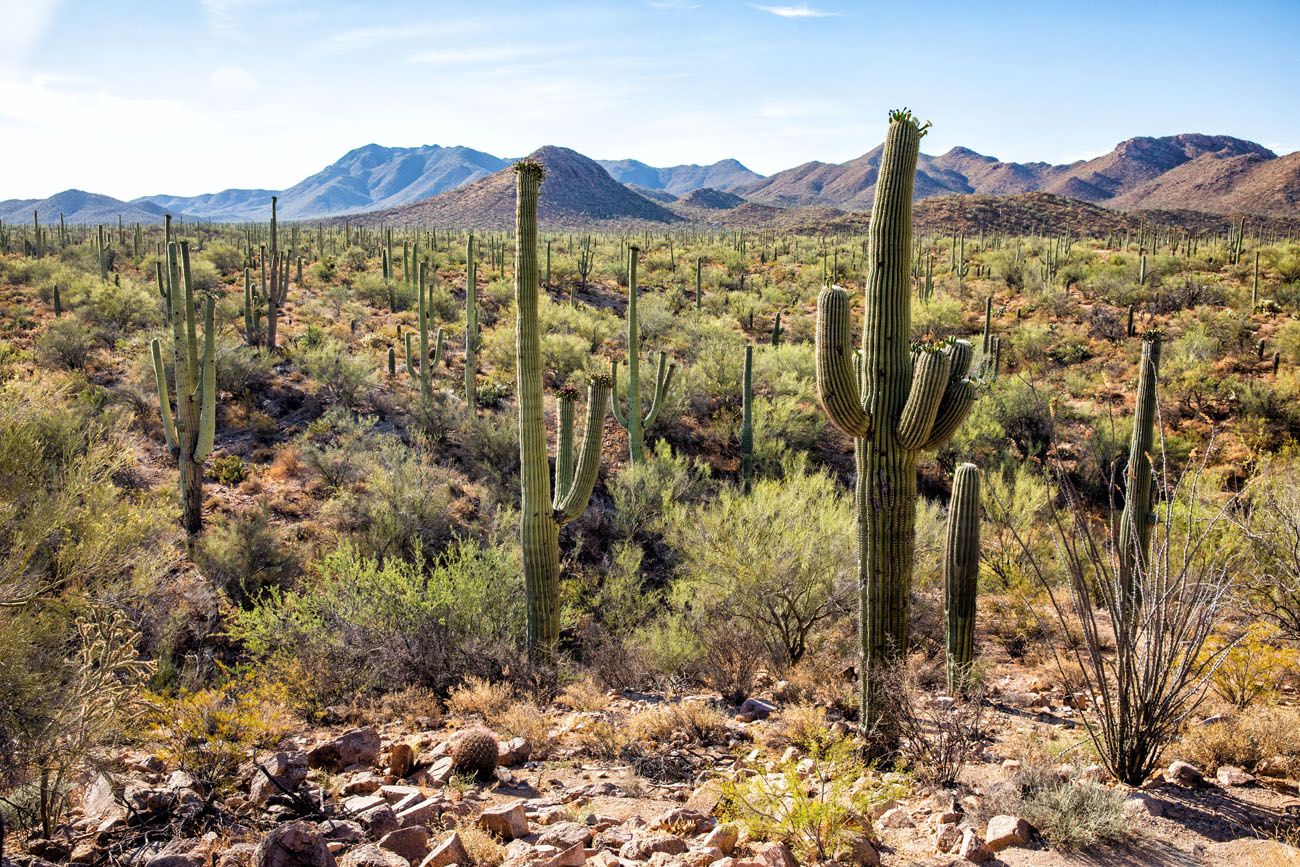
(193, 96)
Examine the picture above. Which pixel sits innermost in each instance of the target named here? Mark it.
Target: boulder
(450, 850)
(401, 759)
(412, 843)
(1140, 804)
(775, 855)
(706, 798)
(1003, 832)
(896, 817)
(372, 855)
(565, 835)
(355, 747)
(973, 849)
(641, 848)
(506, 821)
(1229, 775)
(288, 769)
(683, 820)
(756, 708)
(296, 844)
(1184, 774)
(723, 837)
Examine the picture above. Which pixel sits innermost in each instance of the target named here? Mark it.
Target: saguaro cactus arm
(930, 368)
(839, 382)
(958, 397)
(663, 381)
(573, 490)
(961, 574)
(207, 386)
(164, 400)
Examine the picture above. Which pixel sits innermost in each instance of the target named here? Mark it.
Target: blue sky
(190, 96)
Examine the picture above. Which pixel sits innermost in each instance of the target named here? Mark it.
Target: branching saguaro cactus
(895, 402)
(961, 567)
(541, 514)
(276, 290)
(191, 431)
(471, 326)
(422, 373)
(1139, 478)
(632, 420)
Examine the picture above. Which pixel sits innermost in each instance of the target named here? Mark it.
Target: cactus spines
(747, 421)
(541, 516)
(895, 404)
(423, 374)
(635, 423)
(190, 431)
(1139, 481)
(474, 753)
(471, 325)
(961, 554)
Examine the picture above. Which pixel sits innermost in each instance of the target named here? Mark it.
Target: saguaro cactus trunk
(1139, 478)
(542, 515)
(895, 401)
(961, 566)
(632, 420)
(191, 431)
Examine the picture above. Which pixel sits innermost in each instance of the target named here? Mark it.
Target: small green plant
(229, 470)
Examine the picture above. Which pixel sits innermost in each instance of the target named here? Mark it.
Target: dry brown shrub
(478, 697)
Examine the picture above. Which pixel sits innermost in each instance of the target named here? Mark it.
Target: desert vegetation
(408, 544)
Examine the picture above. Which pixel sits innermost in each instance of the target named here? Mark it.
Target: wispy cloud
(226, 16)
(25, 24)
(803, 11)
(359, 38)
(231, 80)
(481, 54)
(672, 4)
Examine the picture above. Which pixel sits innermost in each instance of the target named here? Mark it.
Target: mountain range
(1212, 174)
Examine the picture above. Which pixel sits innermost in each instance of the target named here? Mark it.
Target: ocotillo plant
(895, 403)
(471, 325)
(191, 431)
(747, 421)
(542, 515)
(632, 420)
(1139, 479)
(423, 374)
(961, 564)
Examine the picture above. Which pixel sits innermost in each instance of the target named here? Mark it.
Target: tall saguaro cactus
(276, 290)
(747, 420)
(1139, 480)
(896, 401)
(423, 374)
(633, 421)
(191, 430)
(471, 325)
(541, 514)
(961, 566)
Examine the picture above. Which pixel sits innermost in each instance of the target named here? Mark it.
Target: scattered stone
(897, 817)
(363, 783)
(355, 747)
(342, 831)
(1249, 850)
(401, 759)
(565, 835)
(756, 708)
(948, 838)
(723, 837)
(1004, 832)
(863, 852)
(1140, 804)
(706, 798)
(49, 850)
(775, 855)
(684, 821)
(412, 843)
(447, 852)
(1229, 775)
(420, 813)
(641, 848)
(973, 849)
(506, 821)
(238, 855)
(515, 751)
(1276, 766)
(295, 844)
(1185, 774)
(372, 855)
(284, 771)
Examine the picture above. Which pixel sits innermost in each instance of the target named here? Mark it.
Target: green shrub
(64, 343)
(244, 555)
(228, 470)
(344, 378)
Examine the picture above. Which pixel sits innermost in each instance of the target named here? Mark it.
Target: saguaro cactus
(471, 325)
(634, 422)
(1139, 479)
(191, 431)
(961, 563)
(747, 421)
(895, 402)
(276, 290)
(423, 374)
(542, 515)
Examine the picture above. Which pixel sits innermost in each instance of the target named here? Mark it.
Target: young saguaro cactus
(471, 325)
(747, 420)
(632, 420)
(895, 403)
(191, 430)
(1139, 478)
(423, 373)
(541, 514)
(961, 566)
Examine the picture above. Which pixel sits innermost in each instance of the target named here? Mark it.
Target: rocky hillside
(81, 208)
(577, 193)
(1218, 174)
(725, 175)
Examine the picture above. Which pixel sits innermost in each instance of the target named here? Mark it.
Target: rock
(973, 849)
(684, 821)
(698, 856)
(506, 821)
(450, 850)
(1228, 775)
(513, 752)
(775, 855)
(1003, 832)
(177, 859)
(863, 852)
(1276, 766)
(100, 803)
(897, 817)
(89, 852)
(641, 848)
(1141, 804)
(371, 855)
(288, 769)
(237, 855)
(565, 835)
(362, 783)
(756, 708)
(723, 837)
(49, 850)
(296, 844)
(706, 798)
(342, 831)
(420, 813)
(411, 843)
(401, 759)
(1185, 774)
(948, 838)
(355, 747)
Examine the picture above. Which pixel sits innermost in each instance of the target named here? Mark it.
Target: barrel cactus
(474, 753)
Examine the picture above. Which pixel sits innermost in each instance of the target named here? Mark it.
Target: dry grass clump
(479, 697)
(410, 704)
(583, 695)
(1245, 740)
(1069, 812)
(524, 719)
(482, 848)
(685, 721)
(826, 678)
(803, 726)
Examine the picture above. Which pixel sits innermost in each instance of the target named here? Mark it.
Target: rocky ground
(392, 793)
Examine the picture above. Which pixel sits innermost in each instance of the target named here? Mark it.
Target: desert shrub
(64, 343)
(204, 276)
(344, 378)
(480, 697)
(583, 695)
(790, 575)
(116, 309)
(241, 370)
(491, 444)
(226, 258)
(361, 625)
(941, 317)
(820, 813)
(940, 735)
(1251, 668)
(1069, 813)
(244, 555)
(643, 493)
(1270, 523)
(228, 470)
(335, 444)
(402, 508)
(1245, 740)
(695, 721)
(783, 427)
